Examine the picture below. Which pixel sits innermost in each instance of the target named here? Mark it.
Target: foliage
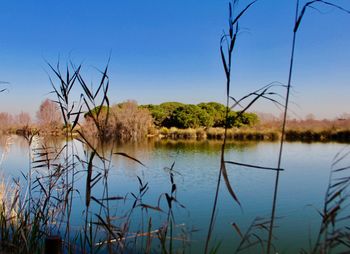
(161, 113)
(216, 111)
(211, 114)
(174, 114)
(239, 120)
(189, 116)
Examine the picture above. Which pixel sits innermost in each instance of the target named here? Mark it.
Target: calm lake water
(302, 185)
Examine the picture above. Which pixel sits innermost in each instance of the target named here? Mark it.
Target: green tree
(216, 112)
(189, 116)
(238, 120)
(158, 114)
(162, 113)
(205, 114)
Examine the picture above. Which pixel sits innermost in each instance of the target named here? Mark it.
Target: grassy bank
(319, 136)
(256, 134)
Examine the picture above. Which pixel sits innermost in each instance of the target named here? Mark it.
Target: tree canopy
(210, 114)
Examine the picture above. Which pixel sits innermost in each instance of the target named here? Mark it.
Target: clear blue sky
(169, 51)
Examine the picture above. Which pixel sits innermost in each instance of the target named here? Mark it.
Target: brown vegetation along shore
(218, 133)
(321, 135)
(239, 134)
(258, 134)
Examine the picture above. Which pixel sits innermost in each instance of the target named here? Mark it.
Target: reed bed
(258, 133)
(218, 134)
(320, 136)
(254, 134)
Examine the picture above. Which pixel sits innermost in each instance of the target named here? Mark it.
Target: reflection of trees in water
(22, 143)
(151, 148)
(56, 143)
(3, 141)
(19, 142)
(133, 149)
(147, 151)
(140, 150)
(166, 144)
(203, 146)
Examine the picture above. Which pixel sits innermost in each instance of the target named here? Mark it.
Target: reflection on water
(303, 183)
(23, 144)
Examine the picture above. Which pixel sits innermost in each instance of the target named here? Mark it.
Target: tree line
(128, 120)
(48, 118)
(210, 114)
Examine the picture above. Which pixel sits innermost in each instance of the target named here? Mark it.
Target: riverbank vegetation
(175, 120)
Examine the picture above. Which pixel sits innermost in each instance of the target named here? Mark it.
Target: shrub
(131, 121)
(126, 121)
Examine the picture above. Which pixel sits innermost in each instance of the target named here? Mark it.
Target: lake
(303, 184)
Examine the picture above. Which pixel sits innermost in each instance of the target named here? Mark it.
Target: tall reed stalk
(282, 137)
(297, 22)
(261, 93)
(70, 113)
(230, 39)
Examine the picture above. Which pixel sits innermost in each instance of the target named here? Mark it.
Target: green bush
(189, 116)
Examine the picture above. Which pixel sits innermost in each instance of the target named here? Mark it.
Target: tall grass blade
(252, 166)
(297, 22)
(88, 179)
(226, 60)
(130, 157)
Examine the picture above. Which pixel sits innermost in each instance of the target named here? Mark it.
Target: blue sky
(169, 51)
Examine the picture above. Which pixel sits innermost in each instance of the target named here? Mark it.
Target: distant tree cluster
(10, 123)
(127, 120)
(211, 114)
(48, 120)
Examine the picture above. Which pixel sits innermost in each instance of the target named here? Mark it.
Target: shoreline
(251, 134)
(233, 134)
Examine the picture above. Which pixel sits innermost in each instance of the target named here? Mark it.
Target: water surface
(302, 185)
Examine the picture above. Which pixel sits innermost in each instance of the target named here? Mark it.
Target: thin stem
(274, 202)
(29, 177)
(67, 189)
(212, 218)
